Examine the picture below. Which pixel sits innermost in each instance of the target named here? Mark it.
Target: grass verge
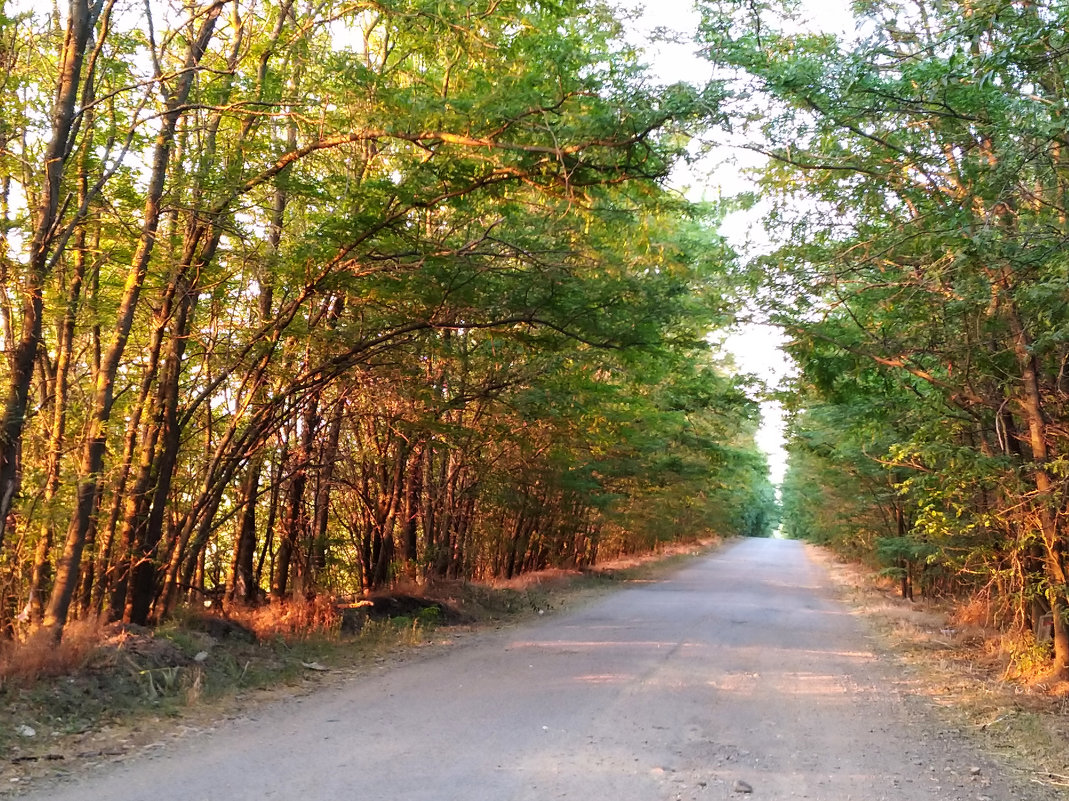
(977, 677)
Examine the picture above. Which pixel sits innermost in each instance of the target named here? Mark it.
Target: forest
(307, 298)
(918, 189)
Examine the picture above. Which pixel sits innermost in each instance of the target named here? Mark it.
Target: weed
(1027, 658)
(429, 617)
(195, 686)
(290, 619)
(160, 681)
(380, 635)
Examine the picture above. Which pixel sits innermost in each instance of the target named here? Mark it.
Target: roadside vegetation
(917, 190)
(108, 692)
(304, 300)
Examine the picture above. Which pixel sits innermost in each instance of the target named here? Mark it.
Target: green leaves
(918, 181)
(432, 237)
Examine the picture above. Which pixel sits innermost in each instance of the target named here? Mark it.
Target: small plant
(160, 681)
(196, 686)
(402, 622)
(429, 617)
(1028, 658)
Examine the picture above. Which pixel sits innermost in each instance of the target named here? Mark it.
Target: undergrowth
(40, 656)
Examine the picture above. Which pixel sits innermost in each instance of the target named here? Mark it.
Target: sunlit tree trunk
(103, 396)
(82, 16)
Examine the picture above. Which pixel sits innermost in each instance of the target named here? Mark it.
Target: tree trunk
(324, 483)
(42, 565)
(103, 394)
(81, 20)
(1032, 406)
(242, 584)
(148, 529)
(410, 516)
(294, 519)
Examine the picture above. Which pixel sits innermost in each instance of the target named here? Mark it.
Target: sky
(756, 348)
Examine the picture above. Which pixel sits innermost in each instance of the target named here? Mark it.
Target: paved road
(741, 667)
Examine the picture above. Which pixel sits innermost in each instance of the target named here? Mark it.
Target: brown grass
(293, 619)
(40, 656)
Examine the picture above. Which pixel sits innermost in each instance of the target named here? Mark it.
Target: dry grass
(665, 556)
(293, 619)
(989, 683)
(553, 577)
(40, 656)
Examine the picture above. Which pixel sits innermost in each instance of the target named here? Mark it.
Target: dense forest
(918, 193)
(305, 298)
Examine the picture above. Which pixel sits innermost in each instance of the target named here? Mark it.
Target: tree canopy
(303, 298)
(918, 174)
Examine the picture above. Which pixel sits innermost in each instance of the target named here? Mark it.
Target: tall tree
(923, 172)
(301, 231)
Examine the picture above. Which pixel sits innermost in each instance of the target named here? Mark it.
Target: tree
(931, 158)
(314, 291)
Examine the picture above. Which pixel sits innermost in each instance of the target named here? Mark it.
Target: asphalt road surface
(739, 677)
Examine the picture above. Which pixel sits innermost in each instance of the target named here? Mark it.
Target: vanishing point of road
(738, 677)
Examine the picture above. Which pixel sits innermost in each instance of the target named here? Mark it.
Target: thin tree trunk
(148, 529)
(81, 19)
(294, 519)
(410, 517)
(244, 579)
(1032, 406)
(41, 575)
(103, 395)
(272, 517)
(325, 481)
(242, 584)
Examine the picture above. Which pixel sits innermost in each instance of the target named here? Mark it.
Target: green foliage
(917, 178)
(352, 293)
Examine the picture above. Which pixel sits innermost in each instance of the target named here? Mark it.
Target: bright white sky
(756, 348)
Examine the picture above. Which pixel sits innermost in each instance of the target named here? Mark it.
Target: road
(740, 668)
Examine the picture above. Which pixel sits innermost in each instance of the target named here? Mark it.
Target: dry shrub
(39, 656)
(551, 577)
(290, 619)
(1026, 660)
(986, 611)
